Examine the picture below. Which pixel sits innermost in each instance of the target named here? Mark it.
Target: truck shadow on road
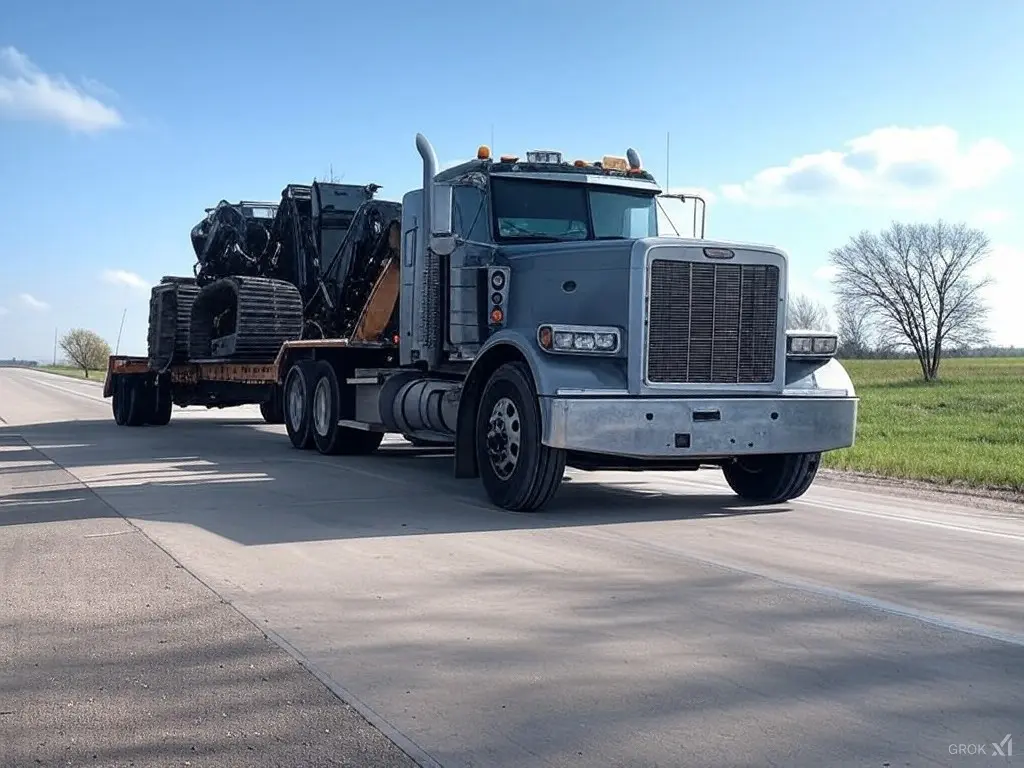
(243, 480)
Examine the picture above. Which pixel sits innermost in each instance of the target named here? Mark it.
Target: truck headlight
(811, 344)
(586, 339)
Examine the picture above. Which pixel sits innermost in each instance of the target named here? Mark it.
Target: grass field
(75, 373)
(967, 429)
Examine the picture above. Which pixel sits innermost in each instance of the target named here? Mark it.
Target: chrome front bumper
(698, 427)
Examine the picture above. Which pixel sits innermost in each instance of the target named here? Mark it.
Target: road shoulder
(115, 654)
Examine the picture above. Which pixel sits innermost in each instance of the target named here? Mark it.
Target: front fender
(553, 373)
(813, 377)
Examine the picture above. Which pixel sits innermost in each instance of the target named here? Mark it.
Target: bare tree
(85, 349)
(853, 319)
(916, 281)
(806, 314)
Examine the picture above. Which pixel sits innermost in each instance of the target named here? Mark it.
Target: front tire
(519, 473)
(772, 479)
(330, 437)
(297, 397)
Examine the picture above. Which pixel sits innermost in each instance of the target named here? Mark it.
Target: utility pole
(55, 346)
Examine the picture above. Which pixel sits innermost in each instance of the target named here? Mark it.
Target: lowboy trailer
(529, 314)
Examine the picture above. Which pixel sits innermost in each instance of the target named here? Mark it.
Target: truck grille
(712, 323)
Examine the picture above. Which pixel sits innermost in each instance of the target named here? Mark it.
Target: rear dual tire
(297, 395)
(272, 409)
(314, 402)
(134, 403)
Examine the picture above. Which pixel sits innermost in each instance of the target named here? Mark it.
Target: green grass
(75, 373)
(966, 429)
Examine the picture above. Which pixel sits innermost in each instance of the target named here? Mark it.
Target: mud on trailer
(528, 313)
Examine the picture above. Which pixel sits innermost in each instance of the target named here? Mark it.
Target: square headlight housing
(811, 345)
(579, 339)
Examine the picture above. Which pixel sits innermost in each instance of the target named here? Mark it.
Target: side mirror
(441, 210)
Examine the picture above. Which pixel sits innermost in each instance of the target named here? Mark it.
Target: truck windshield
(548, 211)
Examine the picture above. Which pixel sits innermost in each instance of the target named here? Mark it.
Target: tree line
(909, 291)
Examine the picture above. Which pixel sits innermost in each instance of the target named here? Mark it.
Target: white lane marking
(48, 385)
(933, 619)
(881, 497)
(941, 621)
(915, 520)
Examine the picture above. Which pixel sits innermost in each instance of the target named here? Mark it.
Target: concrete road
(642, 620)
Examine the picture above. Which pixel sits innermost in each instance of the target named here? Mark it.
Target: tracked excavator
(526, 311)
(266, 273)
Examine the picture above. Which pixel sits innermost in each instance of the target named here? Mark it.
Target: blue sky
(120, 122)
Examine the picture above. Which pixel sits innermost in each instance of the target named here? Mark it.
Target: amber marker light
(497, 315)
(544, 337)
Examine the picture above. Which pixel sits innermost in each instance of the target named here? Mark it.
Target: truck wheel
(772, 479)
(139, 403)
(330, 437)
(297, 396)
(119, 402)
(272, 410)
(518, 472)
(162, 406)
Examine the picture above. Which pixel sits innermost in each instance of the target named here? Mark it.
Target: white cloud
(825, 273)
(32, 302)
(994, 216)
(26, 92)
(123, 277)
(1005, 266)
(890, 166)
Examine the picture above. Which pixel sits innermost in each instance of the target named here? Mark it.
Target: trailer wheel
(162, 407)
(272, 410)
(139, 403)
(297, 397)
(119, 402)
(329, 436)
(518, 472)
(772, 479)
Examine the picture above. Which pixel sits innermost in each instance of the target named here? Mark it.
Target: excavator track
(244, 318)
(170, 314)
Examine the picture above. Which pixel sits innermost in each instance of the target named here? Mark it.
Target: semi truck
(525, 311)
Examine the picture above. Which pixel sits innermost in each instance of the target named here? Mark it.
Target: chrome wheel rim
(322, 407)
(296, 403)
(504, 438)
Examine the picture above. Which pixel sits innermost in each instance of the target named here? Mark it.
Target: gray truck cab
(614, 345)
